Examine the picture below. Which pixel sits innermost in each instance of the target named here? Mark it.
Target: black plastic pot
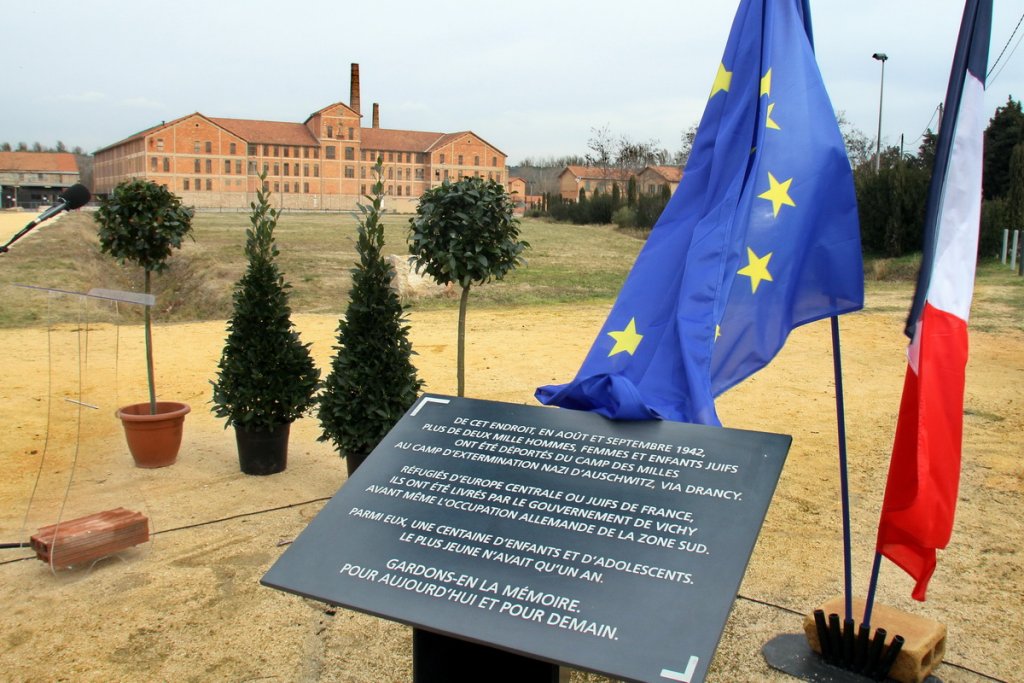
(261, 452)
(352, 462)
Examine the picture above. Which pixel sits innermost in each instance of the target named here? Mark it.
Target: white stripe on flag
(956, 249)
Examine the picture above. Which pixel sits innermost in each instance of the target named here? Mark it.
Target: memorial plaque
(615, 547)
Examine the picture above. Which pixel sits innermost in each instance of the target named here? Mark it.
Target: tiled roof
(597, 173)
(274, 132)
(34, 162)
(672, 174)
(398, 140)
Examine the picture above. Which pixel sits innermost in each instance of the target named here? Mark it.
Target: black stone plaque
(616, 547)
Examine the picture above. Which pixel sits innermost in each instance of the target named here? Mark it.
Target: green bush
(266, 376)
(624, 217)
(372, 381)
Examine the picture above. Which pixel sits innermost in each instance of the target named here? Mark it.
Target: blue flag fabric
(761, 236)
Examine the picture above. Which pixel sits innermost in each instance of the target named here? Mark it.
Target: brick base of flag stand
(442, 659)
(903, 648)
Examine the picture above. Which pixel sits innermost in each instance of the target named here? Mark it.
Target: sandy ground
(188, 607)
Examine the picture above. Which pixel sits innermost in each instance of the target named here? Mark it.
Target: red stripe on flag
(924, 475)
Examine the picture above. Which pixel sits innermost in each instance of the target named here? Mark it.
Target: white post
(1013, 251)
(1006, 239)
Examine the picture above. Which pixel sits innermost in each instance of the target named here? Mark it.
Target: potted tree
(266, 377)
(372, 381)
(142, 222)
(465, 232)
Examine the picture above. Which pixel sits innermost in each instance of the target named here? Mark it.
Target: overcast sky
(532, 77)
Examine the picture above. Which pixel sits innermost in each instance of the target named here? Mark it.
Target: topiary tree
(143, 222)
(465, 232)
(372, 380)
(266, 377)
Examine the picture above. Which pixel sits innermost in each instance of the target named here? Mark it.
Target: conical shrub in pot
(266, 377)
(372, 380)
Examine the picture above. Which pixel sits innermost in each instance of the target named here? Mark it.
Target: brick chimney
(353, 98)
(376, 115)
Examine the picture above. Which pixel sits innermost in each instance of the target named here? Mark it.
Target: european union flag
(761, 236)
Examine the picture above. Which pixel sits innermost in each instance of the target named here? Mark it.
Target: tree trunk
(460, 369)
(149, 351)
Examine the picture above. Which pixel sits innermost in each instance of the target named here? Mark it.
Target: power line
(989, 80)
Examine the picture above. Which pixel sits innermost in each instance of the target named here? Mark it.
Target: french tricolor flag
(924, 473)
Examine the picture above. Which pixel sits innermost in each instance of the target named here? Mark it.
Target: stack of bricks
(83, 540)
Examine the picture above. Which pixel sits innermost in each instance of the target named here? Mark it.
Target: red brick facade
(324, 163)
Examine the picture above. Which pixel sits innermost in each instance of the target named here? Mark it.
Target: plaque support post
(443, 659)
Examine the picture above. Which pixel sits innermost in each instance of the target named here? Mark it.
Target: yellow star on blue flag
(717, 259)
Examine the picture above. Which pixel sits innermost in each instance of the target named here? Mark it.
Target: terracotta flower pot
(261, 452)
(154, 440)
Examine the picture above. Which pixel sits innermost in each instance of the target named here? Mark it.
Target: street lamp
(880, 56)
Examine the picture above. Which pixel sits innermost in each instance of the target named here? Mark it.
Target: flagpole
(844, 482)
(869, 603)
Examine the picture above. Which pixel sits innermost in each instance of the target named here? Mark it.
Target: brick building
(34, 179)
(323, 163)
(650, 180)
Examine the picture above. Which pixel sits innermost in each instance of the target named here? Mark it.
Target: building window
(441, 160)
(494, 161)
(238, 166)
(195, 147)
(391, 156)
(391, 173)
(476, 161)
(330, 151)
(277, 169)
(408, 173)
(209, 148)
(167, 165)
(362, 189)
(408, 190)
(316, 152)
(152, 163)
(330, 131)
(286, 151)
(252, 150)
(295, 187)
(316, 170)
(351, 133)
(199, 184)
(305, 170)
(362, 172)
(277, 187)
(266, 150)
(286, 187)
(305, 152)
(159, 144)
(460, 160)
(286, 165)
(184, 184)
(209, 184)
(252, 168)
(209, 165)
(266, 167)
(419, 174)
(266, 186)
(277, 151)
(350, 172)
(399, 190)
(305, 187)
(350, 153)
(295, 152)
(196, 166)
(391, 190)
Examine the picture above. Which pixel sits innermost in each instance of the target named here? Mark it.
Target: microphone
(75, 197)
